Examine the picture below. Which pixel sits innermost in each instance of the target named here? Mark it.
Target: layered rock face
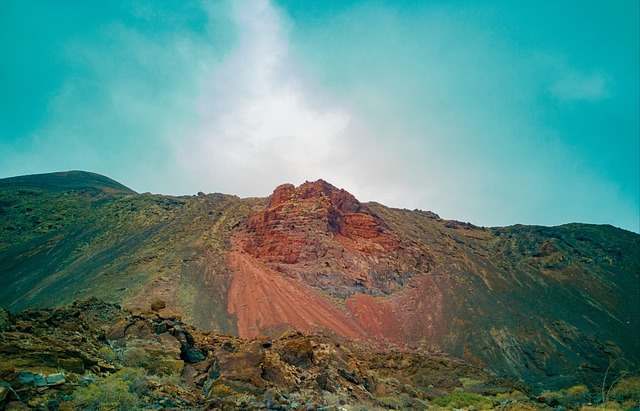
(325, 237)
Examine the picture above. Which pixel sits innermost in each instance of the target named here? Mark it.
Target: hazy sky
(492, 112)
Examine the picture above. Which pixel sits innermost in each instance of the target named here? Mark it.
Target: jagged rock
(169, 314)
(194, 356)
(87, 379)
(298, 352)
(55, 379)
(318, 368)
(117, 330)
(318, 229)
(241, 369)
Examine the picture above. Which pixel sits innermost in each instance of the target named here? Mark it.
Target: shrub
(572, 396)
(513, 395)
(222, 390)
(136, 357)
(577, 391)
(120, 391)
(463, 399)
(626, 388)
(108, 355)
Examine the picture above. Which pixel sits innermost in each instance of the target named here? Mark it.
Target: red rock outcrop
(325, 237)
(314, 240)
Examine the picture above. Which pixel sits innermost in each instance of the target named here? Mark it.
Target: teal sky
(492, 112)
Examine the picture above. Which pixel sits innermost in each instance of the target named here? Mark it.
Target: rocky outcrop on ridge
(326, 238)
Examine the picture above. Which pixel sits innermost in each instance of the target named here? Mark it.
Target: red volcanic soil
(262, 298)
(375, 316)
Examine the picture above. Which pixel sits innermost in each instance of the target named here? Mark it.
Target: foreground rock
(94, 355)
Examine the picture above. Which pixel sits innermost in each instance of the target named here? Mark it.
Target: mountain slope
(57, 246)
(550, 305)
(65, 181)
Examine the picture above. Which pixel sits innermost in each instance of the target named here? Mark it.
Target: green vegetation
(108, 355)
(459, 399)
(121, 391)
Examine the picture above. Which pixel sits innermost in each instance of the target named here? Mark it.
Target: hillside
(552, 306)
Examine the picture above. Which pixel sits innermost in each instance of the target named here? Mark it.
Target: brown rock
(140, 330)
(157, 305)
(170, 344)
(117, 330)
(298, 352)
(74, 365)
(244, 365)
(168, 313)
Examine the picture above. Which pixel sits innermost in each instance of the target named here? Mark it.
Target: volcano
(547, 305)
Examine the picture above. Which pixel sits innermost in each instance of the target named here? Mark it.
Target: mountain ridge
(549, 305)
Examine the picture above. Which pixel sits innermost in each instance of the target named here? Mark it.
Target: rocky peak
(317, 191)
(326, 237)
(311, 212)
(341, 213)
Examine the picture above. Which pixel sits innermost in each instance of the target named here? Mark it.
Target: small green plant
(120, 391)
(168, 379)
(513, 395)
(108, 355)
(463, 399)
(577, 391)
(626, 389)
(136, 357)
(572, 396)
(222, 390)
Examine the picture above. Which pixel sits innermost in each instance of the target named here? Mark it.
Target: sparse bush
(392, 403)
(612, 406)
(135, 357)
(572, 396)
(170, 379)
(577, 391)
(463, 399)
(108, 355)
(513, 395)
(120, 391)
(222, 390)
(626, 388)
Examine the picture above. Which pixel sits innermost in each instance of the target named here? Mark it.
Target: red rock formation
(328, 239)
(317, 237)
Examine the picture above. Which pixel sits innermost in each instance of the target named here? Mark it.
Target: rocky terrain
(95, 355)
(550, 307)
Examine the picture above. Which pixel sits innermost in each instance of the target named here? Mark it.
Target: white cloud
(263, 123)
